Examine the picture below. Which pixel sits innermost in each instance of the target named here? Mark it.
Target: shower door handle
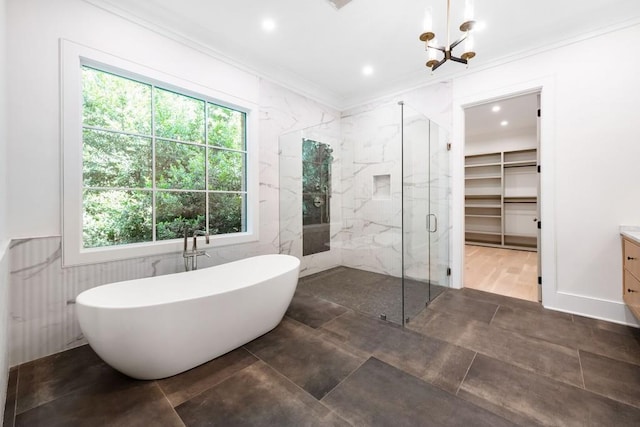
(435, 223)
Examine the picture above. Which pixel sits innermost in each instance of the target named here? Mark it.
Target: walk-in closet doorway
(502, 197)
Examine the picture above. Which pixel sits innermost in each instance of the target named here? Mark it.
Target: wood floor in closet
(502, 271)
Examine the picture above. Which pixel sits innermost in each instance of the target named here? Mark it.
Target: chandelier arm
(457, 42)
(439, 64)
(460, 60)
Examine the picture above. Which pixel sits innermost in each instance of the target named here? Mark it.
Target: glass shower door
(425, 211)
(439, 195)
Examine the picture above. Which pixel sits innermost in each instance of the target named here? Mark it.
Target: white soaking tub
(160, 326)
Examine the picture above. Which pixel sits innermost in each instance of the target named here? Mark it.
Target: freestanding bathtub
(160, 326)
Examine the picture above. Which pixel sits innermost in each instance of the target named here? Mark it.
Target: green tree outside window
(156, 161)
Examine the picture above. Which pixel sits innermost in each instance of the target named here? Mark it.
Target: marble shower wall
(42, 312)
(291, 196)
(371, 238)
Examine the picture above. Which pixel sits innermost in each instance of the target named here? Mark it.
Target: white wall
(589, 158)
(4, 241)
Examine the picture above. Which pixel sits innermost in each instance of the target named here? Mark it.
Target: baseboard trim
(611, 311)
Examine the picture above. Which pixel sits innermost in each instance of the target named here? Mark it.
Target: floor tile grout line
(494, 314)
(15, 400)
(284, 376)
(466, 373)
(63, 395)
(169, 402)
(584, 385)
(218, 382)
(345, 378)
(608, 397)
(280, 374)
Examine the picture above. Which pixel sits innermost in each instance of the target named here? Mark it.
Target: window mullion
(206, 165)
(153, 164)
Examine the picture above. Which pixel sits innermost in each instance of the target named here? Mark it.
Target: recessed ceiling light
(268, 25)
(495, 108)
(367, 70)
(504, 123)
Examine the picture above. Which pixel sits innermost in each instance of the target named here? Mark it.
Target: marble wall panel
(291, 196)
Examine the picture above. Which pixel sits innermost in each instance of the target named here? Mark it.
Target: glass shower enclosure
(365, 202)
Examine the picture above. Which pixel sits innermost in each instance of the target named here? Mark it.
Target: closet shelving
(501, 199)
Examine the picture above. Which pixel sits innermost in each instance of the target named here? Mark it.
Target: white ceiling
(320, 50)
(519, 112)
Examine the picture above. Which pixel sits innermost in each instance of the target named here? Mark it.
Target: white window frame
(72, 57)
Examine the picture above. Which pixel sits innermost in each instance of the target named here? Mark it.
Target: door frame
(538, 192)
(545, 86)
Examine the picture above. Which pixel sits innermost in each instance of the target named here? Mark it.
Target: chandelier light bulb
(468, 44)
(468, 10)
(427, 23)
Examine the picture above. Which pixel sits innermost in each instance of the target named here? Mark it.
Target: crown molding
(277, 75)
(296, 83)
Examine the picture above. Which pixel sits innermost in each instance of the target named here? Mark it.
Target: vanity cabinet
(631, 275)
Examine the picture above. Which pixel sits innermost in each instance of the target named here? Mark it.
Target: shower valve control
(317, 201)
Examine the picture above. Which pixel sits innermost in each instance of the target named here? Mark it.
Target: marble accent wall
(371, 238)
(291, 196)
(43, 319)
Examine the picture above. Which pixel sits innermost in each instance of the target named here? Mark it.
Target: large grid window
(156, 161)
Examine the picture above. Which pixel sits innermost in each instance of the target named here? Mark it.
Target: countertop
(631, 232)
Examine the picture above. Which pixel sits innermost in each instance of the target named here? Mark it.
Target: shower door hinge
(538, 168)
(448, 271)
(540, 225)
(448, 146)
(539, 280)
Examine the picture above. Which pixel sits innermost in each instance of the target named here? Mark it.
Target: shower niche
(316, 196)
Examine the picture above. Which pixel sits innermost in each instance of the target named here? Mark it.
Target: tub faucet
(194, 253)
(195, 238)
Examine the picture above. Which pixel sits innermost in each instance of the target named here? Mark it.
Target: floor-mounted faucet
(194, 253)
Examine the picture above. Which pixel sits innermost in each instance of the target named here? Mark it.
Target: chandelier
(431, 43)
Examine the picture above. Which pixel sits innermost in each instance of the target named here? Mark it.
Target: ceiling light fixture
(431, 43)
(504, 123)
(495, 108)
(268, 25)
(367, 70)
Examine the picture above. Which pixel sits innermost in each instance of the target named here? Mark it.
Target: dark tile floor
(469, 359)
(371, 293)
